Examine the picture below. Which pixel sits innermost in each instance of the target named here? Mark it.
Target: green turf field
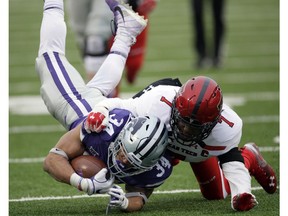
(249, 79)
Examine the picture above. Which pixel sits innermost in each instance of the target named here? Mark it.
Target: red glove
(97, 120)
(244, 202)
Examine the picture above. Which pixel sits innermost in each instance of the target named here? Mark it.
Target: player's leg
(259, 168)
(129, 26)
(53, 28)
(198, 22)
(219, 30)
(62, 88)
(213, 184)
(136, 56)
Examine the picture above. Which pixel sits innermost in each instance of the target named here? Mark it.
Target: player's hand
(118, 198)
(100, 183)
(244, 202)
(97, 119)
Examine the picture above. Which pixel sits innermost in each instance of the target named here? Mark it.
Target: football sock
(120, 48)
(49, 4)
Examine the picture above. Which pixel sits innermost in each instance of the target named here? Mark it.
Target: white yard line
(27, 199)
(59, 128)
(33, 105)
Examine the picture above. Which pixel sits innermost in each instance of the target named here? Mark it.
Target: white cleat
(129, 23)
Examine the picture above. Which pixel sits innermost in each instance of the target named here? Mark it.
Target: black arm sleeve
(233, 155)
(165, 81)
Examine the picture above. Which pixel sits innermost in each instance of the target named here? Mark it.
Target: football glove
(117, 197)
(97, 184)
(244, 202)
(97, 119)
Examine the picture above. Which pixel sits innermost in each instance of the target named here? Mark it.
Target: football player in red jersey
(132, 148)
(205, 132)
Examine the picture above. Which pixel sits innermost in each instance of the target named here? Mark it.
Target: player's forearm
(137, 197)
(58, 167)
(238, 177)
(134, 204)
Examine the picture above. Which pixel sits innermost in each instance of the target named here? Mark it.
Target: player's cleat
(129, 24)
(260, 169)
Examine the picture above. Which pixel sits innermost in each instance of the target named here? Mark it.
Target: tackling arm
(239, 180)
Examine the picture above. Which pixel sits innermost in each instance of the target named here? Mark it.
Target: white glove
(97, 184)
(244, 202)
(118, 198)
(97, 119)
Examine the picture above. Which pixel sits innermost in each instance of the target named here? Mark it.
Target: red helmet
(196, 109)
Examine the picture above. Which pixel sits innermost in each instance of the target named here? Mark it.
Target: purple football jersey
(97, 144)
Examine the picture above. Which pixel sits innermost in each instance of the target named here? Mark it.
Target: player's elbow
(47, 163)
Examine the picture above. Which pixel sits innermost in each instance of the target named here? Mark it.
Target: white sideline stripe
(260, 119)
(34, 105)
(41, 159)
(26, 160)
(27, 199)
(36, 129)
(57, 128)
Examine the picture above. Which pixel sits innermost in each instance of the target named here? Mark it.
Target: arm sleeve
(238, 177)
(233, 155)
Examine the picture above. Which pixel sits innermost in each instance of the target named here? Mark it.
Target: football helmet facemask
(138, 147)
(196, 109)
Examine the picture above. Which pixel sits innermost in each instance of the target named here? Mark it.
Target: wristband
(75, 180)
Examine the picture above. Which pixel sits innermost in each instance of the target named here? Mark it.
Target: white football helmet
(142, 142)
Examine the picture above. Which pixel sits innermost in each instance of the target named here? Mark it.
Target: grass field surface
(249, 79)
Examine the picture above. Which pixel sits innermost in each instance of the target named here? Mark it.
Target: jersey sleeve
(227, 134)
(155, 100)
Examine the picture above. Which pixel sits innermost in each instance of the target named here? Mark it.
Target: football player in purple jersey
(132, 148)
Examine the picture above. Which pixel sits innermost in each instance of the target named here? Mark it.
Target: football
(87, 165)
